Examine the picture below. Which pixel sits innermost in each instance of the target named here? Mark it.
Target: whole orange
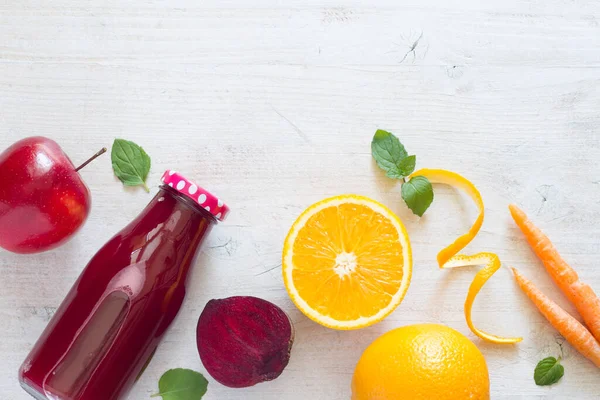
(419, 362)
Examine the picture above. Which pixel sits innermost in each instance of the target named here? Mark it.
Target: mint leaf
(391, 156)
(418, 194)
(407, 166)
(389, 153)
(130, 163)
(181, 384)
(548, 371)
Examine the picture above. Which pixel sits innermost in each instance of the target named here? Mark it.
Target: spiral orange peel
(448, 257)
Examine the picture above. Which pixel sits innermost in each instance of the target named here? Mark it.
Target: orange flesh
(355, 254)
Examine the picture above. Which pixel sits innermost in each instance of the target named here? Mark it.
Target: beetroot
(244, 340)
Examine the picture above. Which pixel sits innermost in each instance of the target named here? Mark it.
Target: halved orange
(347, 262)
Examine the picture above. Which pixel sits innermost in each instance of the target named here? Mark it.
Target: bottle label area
(69, 377)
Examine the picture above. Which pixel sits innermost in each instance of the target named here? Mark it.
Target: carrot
(582, 296)
(571, 329)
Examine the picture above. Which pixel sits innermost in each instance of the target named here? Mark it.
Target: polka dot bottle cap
(204, 198)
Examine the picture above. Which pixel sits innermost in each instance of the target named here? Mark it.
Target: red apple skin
(43, 200)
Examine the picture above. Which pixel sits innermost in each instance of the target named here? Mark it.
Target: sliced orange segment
(449, 257)
(347, 262)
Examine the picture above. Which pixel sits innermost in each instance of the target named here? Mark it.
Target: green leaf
(182, 384)
(389, 153)
(407, 166)
(548, 371)
(418, 194)
(130, 163)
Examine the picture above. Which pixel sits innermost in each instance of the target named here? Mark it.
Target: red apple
(43, 199)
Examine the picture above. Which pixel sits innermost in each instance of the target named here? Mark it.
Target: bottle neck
(187, 201)
(170, 230)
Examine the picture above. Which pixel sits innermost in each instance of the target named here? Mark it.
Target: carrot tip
(516, 213)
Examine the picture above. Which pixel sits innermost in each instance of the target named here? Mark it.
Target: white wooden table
(273, 105)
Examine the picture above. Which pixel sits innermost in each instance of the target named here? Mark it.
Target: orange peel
(448, 257)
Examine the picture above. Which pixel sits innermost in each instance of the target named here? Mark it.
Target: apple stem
(92, 158)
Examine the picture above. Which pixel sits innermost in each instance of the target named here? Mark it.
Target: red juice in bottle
(107, 328)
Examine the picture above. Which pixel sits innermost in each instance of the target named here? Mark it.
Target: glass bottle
(113, 318)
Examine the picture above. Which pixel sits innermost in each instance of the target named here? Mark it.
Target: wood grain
(273, 105)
